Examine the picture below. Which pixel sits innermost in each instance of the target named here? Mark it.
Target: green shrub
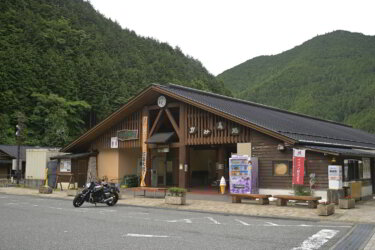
(176, 191)
(301, 190)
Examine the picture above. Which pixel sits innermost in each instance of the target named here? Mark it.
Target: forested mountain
(64, 67)
(331, 76)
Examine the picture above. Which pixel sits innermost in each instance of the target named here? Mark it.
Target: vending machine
(243, 174)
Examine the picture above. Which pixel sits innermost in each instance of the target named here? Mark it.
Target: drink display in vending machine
(243, 174)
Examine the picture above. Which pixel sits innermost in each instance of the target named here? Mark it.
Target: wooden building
(184, 137)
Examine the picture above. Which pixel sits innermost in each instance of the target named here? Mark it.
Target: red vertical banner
(298, 166)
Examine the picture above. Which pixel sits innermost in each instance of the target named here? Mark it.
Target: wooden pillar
(146, 156)
(221, 152)
(183, 163)
(182, 167)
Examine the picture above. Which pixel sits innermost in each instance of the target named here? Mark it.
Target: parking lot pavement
(56, 221)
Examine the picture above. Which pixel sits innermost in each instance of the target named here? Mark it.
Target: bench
(312, 201)
(149, 189)
(263, 198)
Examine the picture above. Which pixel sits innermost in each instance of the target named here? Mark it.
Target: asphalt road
(33, 223)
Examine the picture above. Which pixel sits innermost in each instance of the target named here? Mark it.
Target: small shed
(36, 163)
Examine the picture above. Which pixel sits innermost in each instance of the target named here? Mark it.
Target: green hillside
(64, 67)
(331, 76)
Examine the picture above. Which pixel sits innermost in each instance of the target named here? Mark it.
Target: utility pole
(18, 171)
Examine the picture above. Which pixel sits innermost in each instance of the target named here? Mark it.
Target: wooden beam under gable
(227, 116)
(155, 123)
(174, 124)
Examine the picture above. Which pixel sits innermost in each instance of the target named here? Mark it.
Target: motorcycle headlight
(88, 184)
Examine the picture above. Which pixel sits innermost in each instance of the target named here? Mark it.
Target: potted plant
(326, 209)
(346, 203)
(176, 196)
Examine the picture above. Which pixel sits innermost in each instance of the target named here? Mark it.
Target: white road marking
(55, 208)
(3, 197)
(181, 220)
(146, 235)
(213, 220)
(35, 205)
(65, 231)
(11, 203)
(242, 222)
(272, 224)
(317, 240)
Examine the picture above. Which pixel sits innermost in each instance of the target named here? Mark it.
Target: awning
(342, 151)
(74, 156)
(160, 138)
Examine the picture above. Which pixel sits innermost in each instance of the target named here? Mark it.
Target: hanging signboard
(243, 174)
(144, 149)
(220, 125)
(298, 166)
(193, 130)
(114, 142)
(127, 134)
(235, 131)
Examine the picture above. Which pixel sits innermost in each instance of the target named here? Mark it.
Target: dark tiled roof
(11, 150)
(160, 138)
(343, 151)
(302, 128)
(74, 156)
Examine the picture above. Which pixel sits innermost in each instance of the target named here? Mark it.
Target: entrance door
(81, 174)
(158, 172)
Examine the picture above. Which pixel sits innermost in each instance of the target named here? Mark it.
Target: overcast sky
(224, 33)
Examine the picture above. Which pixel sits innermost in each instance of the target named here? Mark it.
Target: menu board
(243, 174)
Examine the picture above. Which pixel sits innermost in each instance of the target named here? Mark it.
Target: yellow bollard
(46, 177)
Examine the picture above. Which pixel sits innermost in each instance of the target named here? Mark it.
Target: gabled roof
(302, 128)
(285, 125)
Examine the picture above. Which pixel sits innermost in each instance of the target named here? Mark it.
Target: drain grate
(360, 235)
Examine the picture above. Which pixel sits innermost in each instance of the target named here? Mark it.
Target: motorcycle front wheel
(78, 201)
(114, 201)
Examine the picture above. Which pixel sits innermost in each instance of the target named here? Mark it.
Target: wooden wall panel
(132, 122)
(205, 120)
(265, 148)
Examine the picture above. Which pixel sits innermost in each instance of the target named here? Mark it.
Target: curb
(221, 213)
(198, 210)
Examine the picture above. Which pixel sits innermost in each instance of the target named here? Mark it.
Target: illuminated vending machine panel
(243, 174)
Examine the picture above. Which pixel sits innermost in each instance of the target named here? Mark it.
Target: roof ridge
(251, 103)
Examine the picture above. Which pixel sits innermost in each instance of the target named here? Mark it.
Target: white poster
(65, 165)
(366, 168)
(114, 142)
(334, 177)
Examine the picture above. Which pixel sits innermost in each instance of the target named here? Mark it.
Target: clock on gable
(162, 101)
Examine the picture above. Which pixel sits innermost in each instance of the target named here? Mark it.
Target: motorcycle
(97, 193)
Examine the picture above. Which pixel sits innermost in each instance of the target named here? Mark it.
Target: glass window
(353, 170)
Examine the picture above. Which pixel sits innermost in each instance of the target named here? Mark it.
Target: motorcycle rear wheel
(114, 201)
(78, 201)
